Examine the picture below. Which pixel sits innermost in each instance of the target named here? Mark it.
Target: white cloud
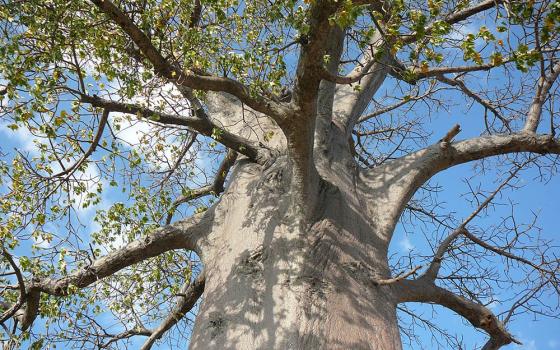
(131, 131)
(90, 177)
(41, 243)
(24, 140)
(406, 244)
(553, 344)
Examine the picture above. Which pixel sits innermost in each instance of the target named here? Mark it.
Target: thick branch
(351, 101)
(478, 315)
(412, 171)
(309, 69)
(311, 97)
(258, 153)
(174, 73)
(180, 235)
(543, 87)
(325, 98)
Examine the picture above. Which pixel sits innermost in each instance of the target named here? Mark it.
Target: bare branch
(543, 87)
(478, 315)
(433, 270)
(190, 293)
(454, 131)
(485, 103)
(397, 278)
(102, 122)
(215, 188)
(180, 157)
(392, 107)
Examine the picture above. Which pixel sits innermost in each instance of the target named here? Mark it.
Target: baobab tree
(283, 141)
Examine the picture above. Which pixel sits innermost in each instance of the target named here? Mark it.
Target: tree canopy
(134, 112)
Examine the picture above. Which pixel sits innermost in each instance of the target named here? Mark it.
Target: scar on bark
(252, 262)
(217, 323)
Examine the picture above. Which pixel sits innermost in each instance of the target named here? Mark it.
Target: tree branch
(543, 87)
(256, 152)
(351, 101)
(419, 73)
(410, 172)
(309, 68)
(189, 295)
(434, 267)
(215, 188)
(11, 311)
(355, 102)
(188, 78)
(456, 17)
(183, 234)
(485, 103)
(392, 107)
(478, 315)
(399, 277)
(102, 122)
(180, 157)
(356, 75)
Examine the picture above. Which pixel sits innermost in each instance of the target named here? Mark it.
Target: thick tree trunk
(275, 282)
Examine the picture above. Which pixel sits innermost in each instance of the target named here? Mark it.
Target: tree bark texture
(275, 282)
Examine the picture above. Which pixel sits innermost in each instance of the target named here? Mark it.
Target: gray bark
(273, 281)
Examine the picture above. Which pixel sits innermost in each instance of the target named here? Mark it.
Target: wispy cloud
(405, 244)
(22, 138)
(131, 132)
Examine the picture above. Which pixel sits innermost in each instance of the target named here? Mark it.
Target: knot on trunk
(252, 262)
(216, 324)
